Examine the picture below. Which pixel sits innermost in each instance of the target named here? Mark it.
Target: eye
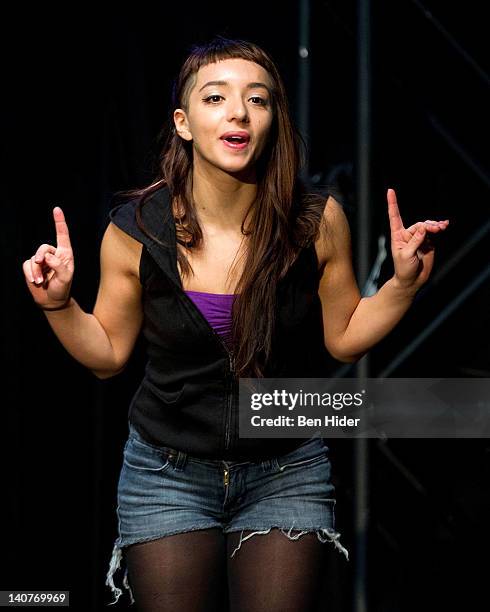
(211, 99)
(259, 100)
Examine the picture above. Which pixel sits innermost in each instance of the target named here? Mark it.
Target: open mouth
(236, 142)
(236, 139)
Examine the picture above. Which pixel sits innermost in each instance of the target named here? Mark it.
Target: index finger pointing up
(396, 222)
(62, 234)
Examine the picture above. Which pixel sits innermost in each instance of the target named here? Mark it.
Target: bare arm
(353, 325)
(338, 290)
(103, 340)
(118, 307)
(373, 319)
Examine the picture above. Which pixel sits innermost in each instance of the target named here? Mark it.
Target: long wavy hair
(285, 218)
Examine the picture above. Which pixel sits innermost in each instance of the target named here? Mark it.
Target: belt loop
(181, 460)
(266, 465)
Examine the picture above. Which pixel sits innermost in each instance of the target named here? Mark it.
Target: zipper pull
(226, 479)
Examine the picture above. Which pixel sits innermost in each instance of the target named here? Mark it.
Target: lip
(239, 133)
(237, 146)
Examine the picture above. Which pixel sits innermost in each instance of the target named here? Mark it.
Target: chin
(238, 170)
(239, 167)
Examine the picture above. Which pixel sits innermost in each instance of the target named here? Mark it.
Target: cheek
(264, 125)
(264, 129)
(203, 127)
(203, 139)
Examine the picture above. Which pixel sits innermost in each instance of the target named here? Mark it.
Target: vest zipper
(231, 369)
(230, 400)
(231, 360)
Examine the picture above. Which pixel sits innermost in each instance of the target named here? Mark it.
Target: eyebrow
(249, 86)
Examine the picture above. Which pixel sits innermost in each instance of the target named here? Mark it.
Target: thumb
(58, 266)
(416, 240)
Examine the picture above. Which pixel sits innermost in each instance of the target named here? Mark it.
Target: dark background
(86, 91)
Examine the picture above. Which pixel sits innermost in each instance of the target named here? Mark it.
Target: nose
(237, 110)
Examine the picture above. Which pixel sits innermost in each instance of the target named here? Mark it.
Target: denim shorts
(163, 491)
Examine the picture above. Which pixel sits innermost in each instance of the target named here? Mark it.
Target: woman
(230, 271)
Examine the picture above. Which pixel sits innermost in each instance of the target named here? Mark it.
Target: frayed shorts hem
(323, 534)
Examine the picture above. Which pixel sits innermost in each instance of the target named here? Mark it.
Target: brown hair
(285, 219)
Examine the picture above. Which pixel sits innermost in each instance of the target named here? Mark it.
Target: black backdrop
(86, 91)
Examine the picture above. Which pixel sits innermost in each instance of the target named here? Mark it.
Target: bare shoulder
(334, 237)
(123, 251)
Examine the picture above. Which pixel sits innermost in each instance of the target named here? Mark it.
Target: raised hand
(49, 272)
(411, 248)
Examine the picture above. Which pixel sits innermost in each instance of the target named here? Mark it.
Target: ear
(181, 124)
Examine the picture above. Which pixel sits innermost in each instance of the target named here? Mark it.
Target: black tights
(193, 572)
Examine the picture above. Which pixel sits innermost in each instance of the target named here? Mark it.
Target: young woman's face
(229, 115)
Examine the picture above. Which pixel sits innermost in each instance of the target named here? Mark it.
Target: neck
(222, 199)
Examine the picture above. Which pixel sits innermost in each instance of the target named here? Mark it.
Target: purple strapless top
(216, 307)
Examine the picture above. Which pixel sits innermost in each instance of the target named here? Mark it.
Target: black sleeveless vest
(188, 398)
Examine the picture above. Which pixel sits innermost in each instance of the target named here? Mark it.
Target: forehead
(233, 71)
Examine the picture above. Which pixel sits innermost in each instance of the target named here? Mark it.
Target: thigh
(184, 572)
(273, 572)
